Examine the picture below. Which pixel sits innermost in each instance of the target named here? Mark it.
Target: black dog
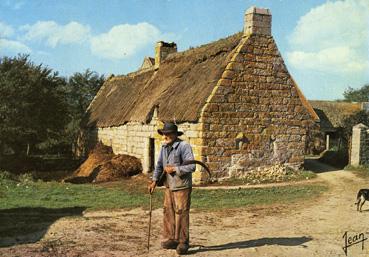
(362, 196)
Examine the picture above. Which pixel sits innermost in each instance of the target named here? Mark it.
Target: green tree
(349, 122)
(81, 88)
(32, 107)
(357, 95)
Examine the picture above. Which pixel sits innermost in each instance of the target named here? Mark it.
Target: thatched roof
(332, 113)
(179, 88)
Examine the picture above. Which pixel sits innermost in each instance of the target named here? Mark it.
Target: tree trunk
(28, 148)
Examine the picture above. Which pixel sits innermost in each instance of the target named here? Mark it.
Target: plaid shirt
(174, 155)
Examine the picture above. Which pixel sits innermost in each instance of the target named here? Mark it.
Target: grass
(361, 171)
(20, 194)
(238, 198)
(29, 207)
(23, 192)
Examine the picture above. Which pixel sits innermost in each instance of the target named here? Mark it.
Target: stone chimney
(162, 50)
(258, 21)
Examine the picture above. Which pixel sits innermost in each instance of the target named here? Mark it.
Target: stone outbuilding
(332, 115)
(234, 99)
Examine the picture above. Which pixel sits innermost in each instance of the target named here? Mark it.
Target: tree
(32, 107)
(357, 95)
(81, 88)
(352, 120)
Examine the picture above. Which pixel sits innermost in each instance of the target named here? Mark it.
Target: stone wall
(254, 117)
(134, 138)
(359, 145)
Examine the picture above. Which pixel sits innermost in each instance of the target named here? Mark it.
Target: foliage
(41, 111)
(357, 95)
(6, 176)
(349, 122)
(32, 107)
(81, 89)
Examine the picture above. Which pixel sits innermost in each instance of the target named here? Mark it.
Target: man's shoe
(169, 244)
(182, 248)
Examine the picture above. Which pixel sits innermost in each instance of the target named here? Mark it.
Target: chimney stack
(258, 21)
(162, 50)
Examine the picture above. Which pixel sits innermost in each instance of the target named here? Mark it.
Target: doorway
(151, 154)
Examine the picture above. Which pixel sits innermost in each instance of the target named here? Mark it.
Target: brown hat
(168, 128)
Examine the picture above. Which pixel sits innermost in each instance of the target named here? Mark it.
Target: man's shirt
(175, 154)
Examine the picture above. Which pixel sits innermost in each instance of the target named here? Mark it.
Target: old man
(178, 183)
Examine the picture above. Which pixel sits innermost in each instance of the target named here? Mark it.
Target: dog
(362, 196)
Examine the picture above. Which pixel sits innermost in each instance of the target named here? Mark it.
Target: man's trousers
(177, 215)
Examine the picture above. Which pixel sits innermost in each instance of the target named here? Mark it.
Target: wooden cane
(148, 238)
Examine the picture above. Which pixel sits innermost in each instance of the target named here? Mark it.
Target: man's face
(169, 138)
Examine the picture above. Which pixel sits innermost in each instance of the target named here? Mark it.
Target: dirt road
(312, 228)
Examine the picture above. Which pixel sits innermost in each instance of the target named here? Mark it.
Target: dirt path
(313, 228)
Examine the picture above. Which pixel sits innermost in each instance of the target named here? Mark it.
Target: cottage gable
(257, 97)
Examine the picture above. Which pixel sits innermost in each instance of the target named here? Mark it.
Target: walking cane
(148, 238)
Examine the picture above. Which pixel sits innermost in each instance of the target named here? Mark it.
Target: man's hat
(170, 128)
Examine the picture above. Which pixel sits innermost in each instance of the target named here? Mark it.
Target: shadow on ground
(29, 225)
(283, 241)
(317, 166)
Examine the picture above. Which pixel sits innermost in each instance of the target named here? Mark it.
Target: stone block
(224, 82)
(217, 99)
(226, 107)
(196, 141)
(228, 74)
(191, 134)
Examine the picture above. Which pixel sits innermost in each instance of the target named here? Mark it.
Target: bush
(6, 175)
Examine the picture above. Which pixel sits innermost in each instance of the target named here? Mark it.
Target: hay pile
(103, 166)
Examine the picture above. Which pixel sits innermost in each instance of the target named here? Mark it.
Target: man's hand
(169, 169)
(151, 187)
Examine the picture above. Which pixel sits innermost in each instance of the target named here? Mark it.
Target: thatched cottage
(332, 115)
(234, 99)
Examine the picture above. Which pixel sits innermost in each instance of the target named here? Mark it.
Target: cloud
(55, 34)
(124, 40)
(333, 37)
(13, 46)
(5, 30)
(333, 59)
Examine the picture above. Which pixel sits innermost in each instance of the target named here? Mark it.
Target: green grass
(30, 194)
(30, 207)
(238, 198)
(57, 195)
(361, 171)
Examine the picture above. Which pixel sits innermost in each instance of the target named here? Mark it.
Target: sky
(325, 44)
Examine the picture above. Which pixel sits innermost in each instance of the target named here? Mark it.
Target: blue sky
(324, 43)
